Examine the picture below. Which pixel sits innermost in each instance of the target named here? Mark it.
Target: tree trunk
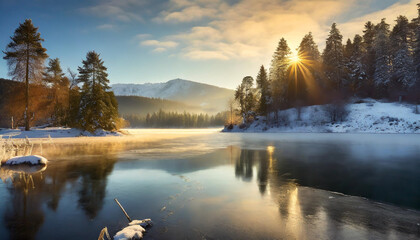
(27, 91)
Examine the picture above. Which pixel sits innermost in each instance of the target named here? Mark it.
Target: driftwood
(104, 233)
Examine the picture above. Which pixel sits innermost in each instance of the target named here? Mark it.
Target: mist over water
(206, 184)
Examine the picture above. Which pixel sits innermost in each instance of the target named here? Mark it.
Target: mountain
(209, 98)
(143, 105)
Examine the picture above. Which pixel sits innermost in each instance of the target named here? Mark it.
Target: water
(201, 184)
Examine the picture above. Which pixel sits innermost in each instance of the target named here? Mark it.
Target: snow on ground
(31, 159)
(53, 132)
(134, 230)
(368, 116)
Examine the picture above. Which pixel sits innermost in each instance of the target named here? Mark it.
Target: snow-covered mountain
(210, 98)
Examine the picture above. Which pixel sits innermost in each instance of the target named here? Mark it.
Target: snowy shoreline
(54, 132)
(368, 116)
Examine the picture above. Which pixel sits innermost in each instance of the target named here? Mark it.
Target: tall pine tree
(356, 73)
(59, 85)
(403, 73)
(25, 57)
(368, 61)
(381, 45)
(264, 89)
(98, 106)
(278, 75)
(333, 60)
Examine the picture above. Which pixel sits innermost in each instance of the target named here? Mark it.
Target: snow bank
(366, 116)
(32, 160)
(53, 132)
(134, 230)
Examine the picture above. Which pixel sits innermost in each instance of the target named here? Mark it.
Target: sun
(294, 58)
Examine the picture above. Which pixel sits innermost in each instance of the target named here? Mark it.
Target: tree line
(46, 95)
(380, 63)
(163, 119)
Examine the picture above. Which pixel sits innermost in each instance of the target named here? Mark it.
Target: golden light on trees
(294, 58)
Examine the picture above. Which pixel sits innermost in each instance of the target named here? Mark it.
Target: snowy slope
(368, 117)
(208, 97)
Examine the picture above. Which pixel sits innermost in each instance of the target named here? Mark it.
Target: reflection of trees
(93, 186)
(30, 191)
(281, 171)
(24, 216)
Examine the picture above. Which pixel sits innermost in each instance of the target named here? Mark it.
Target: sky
(216, 42)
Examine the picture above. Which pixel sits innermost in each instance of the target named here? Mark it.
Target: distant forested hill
(209, 98)
(143, 105)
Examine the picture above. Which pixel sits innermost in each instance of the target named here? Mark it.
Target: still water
(202, 184)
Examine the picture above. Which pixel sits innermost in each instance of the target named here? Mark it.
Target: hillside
(144, 105)
(210, 99)
(364, 116)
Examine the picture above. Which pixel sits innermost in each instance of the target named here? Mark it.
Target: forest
(43, 94)
(380, 63)
(163, 119)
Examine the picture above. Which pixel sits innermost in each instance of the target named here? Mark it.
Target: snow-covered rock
(366, 116)
(134, 230)
(31, 160)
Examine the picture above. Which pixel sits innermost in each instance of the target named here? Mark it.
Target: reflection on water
(218, 186)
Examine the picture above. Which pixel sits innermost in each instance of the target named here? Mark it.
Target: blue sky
(211, 41)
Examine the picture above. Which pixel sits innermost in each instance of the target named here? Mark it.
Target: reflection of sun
(294, 58)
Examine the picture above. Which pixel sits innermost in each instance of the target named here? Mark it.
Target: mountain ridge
(209, 97)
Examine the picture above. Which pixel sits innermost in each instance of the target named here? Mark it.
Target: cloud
(105, 27)
(156, 43)
(250, 28)
(159, 50)
(143, 36)
(118, 10)
(356, 25)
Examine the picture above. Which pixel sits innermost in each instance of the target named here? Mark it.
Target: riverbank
(363, 116)
(55, 132)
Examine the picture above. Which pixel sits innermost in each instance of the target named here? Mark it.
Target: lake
(203, 184)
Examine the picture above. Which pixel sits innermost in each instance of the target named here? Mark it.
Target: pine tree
(403, 76)
(333, 59)
(368, 61)
(59, 85)
(98, 106)
(303, 73)
(381, 46)
(264, 89)
(278, 75)
(245, 96)
(416, 59)
(25, 57)
(356, 74)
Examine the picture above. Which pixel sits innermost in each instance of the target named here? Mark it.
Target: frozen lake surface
(202, 184)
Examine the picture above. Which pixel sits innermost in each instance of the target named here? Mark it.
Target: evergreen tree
(356, 74)
(416, 23)
(381, 46)
(98, 106)
(333, 59)
(368, 61)
(303, 74)
(245, 96)
(264, 89)
(59, 85)
(25, 57)
(278, 75)
(403, 73)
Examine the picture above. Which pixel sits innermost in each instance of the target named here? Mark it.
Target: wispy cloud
(119, 10)
(106, 27)
(355, 26)
(156, 43)
(251, 28)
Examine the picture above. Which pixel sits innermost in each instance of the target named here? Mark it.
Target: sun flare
(294, 58)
